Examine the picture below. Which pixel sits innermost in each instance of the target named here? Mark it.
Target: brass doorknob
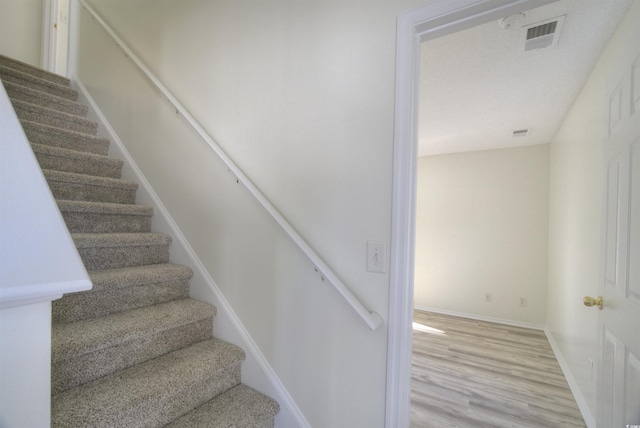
(590, 301)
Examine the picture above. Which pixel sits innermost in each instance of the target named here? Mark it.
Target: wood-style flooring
(468, 373)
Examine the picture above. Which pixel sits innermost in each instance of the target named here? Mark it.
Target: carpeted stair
(134, 351)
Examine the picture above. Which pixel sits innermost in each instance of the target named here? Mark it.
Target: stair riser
(56, 119)
(78, 222)
(82, 192)
(40, 85)
(42, 99)
(82, 306)
(76, 371)
(84, 166)
(97, 258)
(65, 139)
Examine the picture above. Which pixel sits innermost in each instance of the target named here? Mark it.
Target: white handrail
(372, 319)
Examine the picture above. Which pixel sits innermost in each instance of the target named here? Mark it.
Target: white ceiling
(479, 85)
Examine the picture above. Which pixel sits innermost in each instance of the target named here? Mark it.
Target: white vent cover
(542, 34)
(521, 132)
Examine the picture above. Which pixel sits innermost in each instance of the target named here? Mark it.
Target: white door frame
(49, 39)
(55, 35)
(434, 19)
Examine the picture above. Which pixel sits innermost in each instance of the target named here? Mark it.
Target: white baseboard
(481, 318)
(573, 385)
(182, 252)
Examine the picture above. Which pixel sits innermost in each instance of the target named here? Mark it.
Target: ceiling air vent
(521, 133)
(542, 34)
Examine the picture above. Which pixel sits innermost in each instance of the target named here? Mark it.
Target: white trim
(483, 318)
(194, 261)
(573, 385)
(50, 34)
(436, 18)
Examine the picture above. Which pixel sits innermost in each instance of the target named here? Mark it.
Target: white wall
(301, 95)
(575, 218)
(25, 365)
(21, 30)
(481, 227)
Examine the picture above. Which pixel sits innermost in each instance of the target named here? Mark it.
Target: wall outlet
(522, 302)
(487, 297)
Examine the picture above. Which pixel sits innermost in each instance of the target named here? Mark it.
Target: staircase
(135, 350)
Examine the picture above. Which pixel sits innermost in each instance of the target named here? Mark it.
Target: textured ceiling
(479, 85)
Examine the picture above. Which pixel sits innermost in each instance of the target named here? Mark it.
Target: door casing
(433, 19)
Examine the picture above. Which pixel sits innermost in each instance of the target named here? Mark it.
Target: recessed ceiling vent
(521, 132)
(542, 34)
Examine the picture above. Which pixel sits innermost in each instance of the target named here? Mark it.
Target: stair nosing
(108, 208)
(132, 276)
(40, 128)
(74, 119)
(74, 154)
(90, 180)
(116, 240)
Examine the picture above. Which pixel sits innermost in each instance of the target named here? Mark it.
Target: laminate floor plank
(470, 373)
(539, 372)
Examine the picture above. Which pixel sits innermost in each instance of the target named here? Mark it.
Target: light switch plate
(376, 256)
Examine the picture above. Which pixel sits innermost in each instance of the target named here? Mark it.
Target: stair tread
(93, 180)
(103, 208)
(67, 160)
(51, 136)
(30, 69)
(239, 407)
(137, 275)
(48, 116)
(139, 391)
(74, 154)
(81, 337)
(34, 96)
(32, 81)
(106, 240)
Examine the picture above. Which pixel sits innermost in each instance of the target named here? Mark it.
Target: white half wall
(481, 227)
(575, 219)
(21, 30)
(25, 365)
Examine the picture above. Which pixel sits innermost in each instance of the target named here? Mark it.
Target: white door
(619, 319)
(56, 36)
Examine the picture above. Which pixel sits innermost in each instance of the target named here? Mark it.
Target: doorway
(437, 18)
(410, 34)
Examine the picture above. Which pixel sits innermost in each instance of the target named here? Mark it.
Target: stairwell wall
(301, 96)
(21, 30)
